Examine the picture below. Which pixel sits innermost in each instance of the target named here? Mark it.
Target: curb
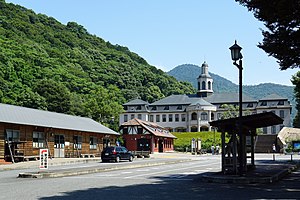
(29, 165)
(217, 178)
(73, 172)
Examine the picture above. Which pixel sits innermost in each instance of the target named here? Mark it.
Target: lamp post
(237, 56)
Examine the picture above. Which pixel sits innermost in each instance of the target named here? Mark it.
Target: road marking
(160, 172)
(126, 172)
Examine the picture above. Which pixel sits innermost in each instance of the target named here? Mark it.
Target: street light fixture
(236, 52)
(237, 56)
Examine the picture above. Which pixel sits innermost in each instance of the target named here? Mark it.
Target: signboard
(193, 143)
(44, 158)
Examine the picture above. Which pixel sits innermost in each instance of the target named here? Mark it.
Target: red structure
(141, 135)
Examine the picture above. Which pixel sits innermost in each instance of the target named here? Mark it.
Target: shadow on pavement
(190, 187)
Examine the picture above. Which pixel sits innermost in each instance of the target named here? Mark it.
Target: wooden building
(141, 135)
(24, 131)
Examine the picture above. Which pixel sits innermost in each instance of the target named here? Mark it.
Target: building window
(139, 108)
(250, 105)
(157, 118)
(125, 107)
(170, 117)
(125, 118)
(13, 135)
(265, 130)
(125, 130)
(194, 116)
(212, 117)
(139, 116)
(132, 116)
(263, 103)
(140, 130)
(203, 85)
(38, 139)
(183, 117)
(219, 115)
(198, 86)
(166, 108)
(179, 107)
(151, 118)
(93, 143)
(280, 103)
(154, 108)
(273, 129)
(176, 117)
(164, 118)
(209, 85)
(204, 116)
(281, 113)
(77, 141)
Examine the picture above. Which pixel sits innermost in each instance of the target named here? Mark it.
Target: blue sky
(168, 33)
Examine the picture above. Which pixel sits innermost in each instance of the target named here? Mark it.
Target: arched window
(212, 117)
(209, 85)
(198, 86)
(204, 116)
(194, 116)
(203, 85)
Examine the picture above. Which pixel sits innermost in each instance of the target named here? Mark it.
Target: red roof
(151, 127)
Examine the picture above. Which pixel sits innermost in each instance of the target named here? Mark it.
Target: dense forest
(62, 68)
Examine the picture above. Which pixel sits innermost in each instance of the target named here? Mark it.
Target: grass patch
(184, 139)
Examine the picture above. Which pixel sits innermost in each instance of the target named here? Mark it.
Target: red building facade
(141, 135)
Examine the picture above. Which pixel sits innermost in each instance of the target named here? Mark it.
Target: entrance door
(59, 146)
(143, 144)
(160, 146)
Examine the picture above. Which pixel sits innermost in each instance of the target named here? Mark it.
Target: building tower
(205, 82)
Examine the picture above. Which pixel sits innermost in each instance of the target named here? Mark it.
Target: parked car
(116, 153)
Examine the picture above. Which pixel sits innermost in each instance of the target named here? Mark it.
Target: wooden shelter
(24, 131)
(235, 153)
(142, 135)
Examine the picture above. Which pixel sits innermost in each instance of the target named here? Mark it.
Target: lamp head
(236, 52)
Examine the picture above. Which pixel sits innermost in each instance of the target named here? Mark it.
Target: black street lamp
(237, 56)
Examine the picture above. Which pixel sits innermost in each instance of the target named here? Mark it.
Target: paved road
(176, 181)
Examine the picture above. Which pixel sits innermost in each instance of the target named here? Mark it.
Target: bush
(184, 139)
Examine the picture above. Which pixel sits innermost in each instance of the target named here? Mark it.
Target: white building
(192, 113)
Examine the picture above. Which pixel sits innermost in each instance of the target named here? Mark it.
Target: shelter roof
(288, 134)
(151, 127)
(28, 116)
(249, 122)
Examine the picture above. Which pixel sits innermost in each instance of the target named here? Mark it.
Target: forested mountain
(190, 73)
(47, 65)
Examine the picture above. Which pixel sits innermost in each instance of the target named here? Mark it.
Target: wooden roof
(249, 122)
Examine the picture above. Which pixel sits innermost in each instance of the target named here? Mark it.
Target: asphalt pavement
(269, 167)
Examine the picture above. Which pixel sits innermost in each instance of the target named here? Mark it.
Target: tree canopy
(282, 19)
(63, 68)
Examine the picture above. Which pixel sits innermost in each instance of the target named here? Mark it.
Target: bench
(141, 154)
(87, 155)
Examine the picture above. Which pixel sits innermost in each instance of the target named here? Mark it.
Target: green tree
(57, 96)
(231, 111)
(282, 19)
(296, 82)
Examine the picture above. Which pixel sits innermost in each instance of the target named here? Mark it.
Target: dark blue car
(116, 153)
